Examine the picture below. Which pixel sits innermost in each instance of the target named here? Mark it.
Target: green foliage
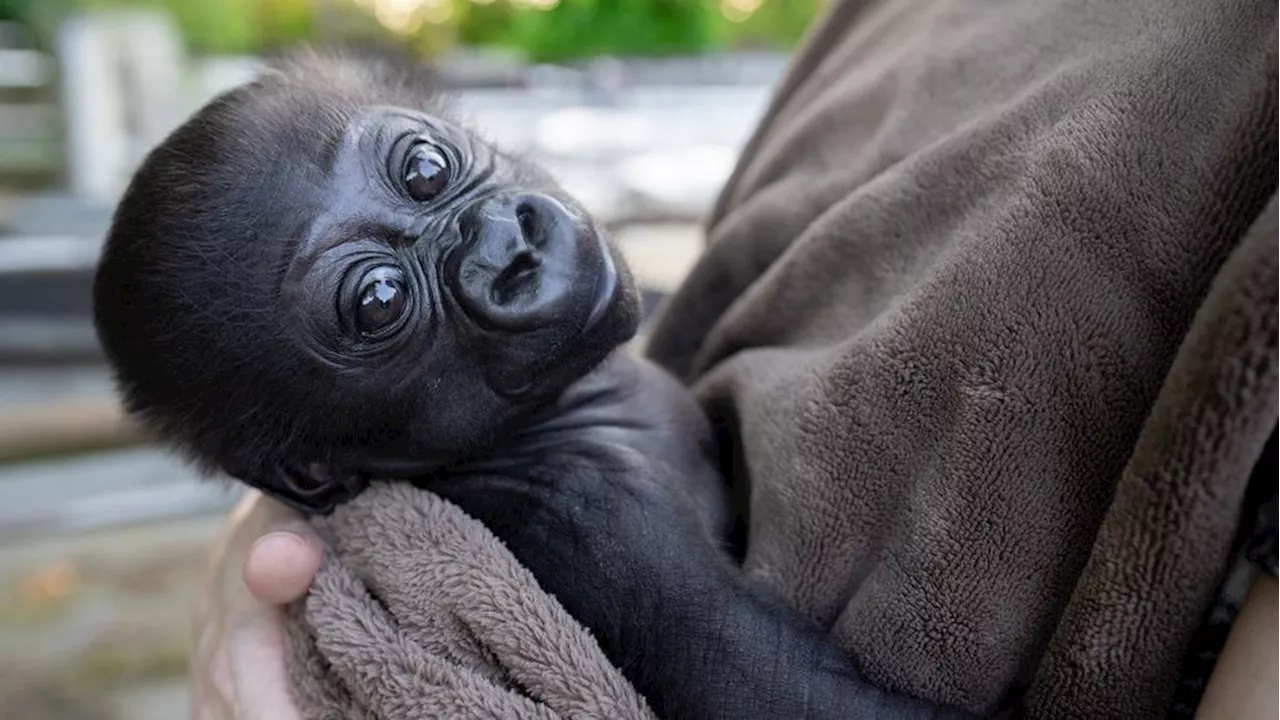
(37, 15)
(221, 26)
(230, 26)
(208, 26)
(13, 9)
(775, 24)
(585, 28)
(286, 22)
(571, 29)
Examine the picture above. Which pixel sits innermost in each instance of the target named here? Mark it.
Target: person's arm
(1244, 683)
(266, 558)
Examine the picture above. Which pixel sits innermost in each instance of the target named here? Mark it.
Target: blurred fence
(28, 112)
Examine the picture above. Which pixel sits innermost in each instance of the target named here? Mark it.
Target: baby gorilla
(319, 279)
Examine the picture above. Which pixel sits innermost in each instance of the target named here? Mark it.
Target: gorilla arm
(607, 505)
(667, 608)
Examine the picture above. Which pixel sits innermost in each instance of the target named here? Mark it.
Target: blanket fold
(987, 324)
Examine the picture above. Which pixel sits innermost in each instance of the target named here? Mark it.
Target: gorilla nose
(516, 268)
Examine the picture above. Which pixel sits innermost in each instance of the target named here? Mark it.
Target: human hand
(1243, 683)
(265, 558)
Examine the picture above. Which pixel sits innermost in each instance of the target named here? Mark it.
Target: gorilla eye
(382, 300)
(426, 173)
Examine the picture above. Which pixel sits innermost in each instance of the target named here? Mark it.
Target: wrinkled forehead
(318, 125)
(302, 127)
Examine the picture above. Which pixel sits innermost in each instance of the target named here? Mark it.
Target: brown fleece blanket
(988, 319)
(988, 313)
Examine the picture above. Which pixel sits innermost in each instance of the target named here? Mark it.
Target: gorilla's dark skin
(257, 246)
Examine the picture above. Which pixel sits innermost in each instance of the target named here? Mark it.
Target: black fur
(223, 301)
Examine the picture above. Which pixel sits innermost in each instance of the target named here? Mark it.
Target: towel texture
(419, 612)
(987, 321)
(988, 317)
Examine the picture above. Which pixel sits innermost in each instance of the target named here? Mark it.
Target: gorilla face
(318, 278)
(450, 272)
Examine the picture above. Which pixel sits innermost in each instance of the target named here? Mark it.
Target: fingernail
(294, 540)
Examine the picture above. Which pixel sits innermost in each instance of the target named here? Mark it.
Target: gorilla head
(320, 277)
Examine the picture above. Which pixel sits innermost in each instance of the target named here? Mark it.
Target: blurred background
(639, 107)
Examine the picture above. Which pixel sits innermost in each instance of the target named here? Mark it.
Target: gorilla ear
(314, 490)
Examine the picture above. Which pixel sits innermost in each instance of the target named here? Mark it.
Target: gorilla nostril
(528, 219)
(516, 276)
(526, 261)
